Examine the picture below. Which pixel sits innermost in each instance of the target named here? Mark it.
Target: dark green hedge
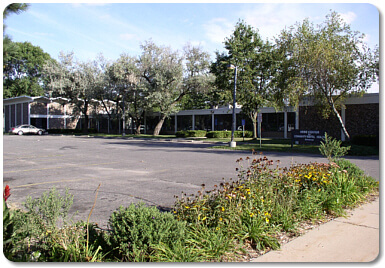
(191, 133)
(227, 134)
(70, 131)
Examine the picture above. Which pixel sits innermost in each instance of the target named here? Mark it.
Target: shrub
(137, 229)
(190, 133)
(196, 133)
(266, 200)
(331, 148)
(70, 131)
(227, 134)
(181, 134)
(218, 134)
(239, 134)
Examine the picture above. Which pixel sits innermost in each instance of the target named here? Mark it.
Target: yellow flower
(223, 209)
(267, 220)
(251, 214)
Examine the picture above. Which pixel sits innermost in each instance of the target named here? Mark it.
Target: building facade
(361, 117)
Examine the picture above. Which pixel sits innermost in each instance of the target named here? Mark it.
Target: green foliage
(23, 70)
(267, 200)
(218, 134)
(254, 210)
(50, 207)
(8, 229)
(257, 64)
(328, 61)
(138, 228)
(331, 148)
(227, 134)
(191, 133)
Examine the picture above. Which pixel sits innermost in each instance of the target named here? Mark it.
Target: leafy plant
(331, 148)
(138, 228)
(50, 207)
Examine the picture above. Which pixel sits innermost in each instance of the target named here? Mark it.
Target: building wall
(363, 119)
(360, 119)
(15, 114)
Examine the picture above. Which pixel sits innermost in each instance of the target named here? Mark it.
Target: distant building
(361, 117)
(49, 113)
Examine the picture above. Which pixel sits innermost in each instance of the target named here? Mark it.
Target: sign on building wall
(307, 136)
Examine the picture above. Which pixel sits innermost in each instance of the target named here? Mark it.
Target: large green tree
(169, 76)
(256, 62)
(22, 70)
(328, 62)
(125, 87)
(8, 45)
(75, 80)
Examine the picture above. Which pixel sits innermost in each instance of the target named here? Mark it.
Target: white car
(26, 129)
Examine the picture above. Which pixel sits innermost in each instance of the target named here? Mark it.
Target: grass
(248, 144)
(284, 145)
(276, 145)
(128, 136)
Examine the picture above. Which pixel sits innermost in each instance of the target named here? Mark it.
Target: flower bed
(264, 206)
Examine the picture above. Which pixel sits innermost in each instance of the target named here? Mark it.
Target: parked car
(26, 129)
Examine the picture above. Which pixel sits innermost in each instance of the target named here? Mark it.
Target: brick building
(361, 117)
(47, 113)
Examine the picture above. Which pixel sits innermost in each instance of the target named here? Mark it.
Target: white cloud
(271, 19)
(218, 29)
(348, 17)
(127, 36)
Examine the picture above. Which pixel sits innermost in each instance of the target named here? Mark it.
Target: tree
(77, 81)
(197, 79)
(328, 62)
(168, 76)
(125, 84)
(161, 68)
(8, 45)
(22, 71)
(256, 63)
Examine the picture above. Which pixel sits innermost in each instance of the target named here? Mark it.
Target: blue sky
(112, 29)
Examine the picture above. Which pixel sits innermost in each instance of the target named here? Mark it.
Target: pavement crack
(360, 225)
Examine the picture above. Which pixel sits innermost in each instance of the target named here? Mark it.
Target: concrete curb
(352, 239)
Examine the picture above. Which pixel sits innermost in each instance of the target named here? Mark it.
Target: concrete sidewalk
(352, 239)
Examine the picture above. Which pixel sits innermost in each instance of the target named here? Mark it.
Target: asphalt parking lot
(129, 170)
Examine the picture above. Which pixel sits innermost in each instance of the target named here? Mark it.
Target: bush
(70, 131)
(331, 148)
(191, 133)
(267, 200)
(137, 229)
(227, 134)
(218, 134)
(239, 133)
(181, 134)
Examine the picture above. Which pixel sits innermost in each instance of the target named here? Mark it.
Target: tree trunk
(253, 116)
(340, 120)
(85, 112)
(137, 130)
(159, 125)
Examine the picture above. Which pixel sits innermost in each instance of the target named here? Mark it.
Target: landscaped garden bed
(266, 206)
